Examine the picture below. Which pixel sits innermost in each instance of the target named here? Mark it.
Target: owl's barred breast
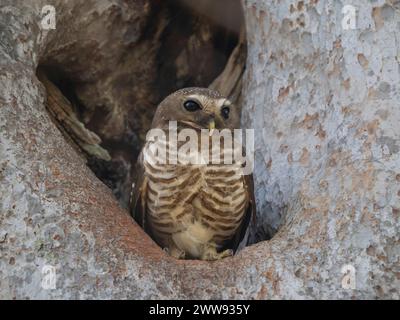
(193, 206)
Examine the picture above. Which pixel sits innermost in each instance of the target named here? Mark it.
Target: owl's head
(198, 108)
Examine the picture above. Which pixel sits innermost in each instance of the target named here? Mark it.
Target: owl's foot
(211, 254)
(175, 252)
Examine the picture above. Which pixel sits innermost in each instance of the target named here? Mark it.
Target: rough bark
(324, 104)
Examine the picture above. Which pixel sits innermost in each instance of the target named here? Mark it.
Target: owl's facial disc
(198, 108)
(203, 112)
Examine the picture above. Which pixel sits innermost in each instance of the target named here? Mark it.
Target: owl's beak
(211, 126)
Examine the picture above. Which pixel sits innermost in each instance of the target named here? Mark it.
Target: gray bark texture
(324, 103)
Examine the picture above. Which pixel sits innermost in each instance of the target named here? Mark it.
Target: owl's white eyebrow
(199, 99)
(224, 102)
(196, 97)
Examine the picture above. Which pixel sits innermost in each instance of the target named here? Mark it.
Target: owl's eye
(191, 106)
(225, 112)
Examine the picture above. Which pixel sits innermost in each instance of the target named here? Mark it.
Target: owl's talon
(227, 253)
(175, 252)
(211, 254)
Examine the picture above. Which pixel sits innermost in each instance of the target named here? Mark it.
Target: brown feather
(241, 238)
(138, 195)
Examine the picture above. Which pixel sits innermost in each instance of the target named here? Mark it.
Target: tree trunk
(323, 100)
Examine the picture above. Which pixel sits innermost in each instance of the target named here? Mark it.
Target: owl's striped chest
(194, 203)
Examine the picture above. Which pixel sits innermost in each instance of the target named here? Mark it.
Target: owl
(193, 209)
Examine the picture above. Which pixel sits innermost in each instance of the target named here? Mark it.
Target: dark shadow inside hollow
(182, 43)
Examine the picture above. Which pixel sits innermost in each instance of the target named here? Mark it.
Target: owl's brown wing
(138, 196)
(242, 235)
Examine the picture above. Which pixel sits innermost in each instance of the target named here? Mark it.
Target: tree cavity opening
(105, 79)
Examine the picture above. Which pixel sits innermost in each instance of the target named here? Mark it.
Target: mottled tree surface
(324, 103)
